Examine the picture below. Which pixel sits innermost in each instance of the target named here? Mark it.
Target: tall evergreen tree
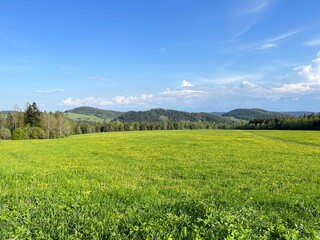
(32, 115)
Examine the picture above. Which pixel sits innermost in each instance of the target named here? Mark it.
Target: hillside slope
(99, 113)
(155, 115)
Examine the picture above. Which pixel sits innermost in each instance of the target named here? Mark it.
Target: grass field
(83, 117)
(162, 184)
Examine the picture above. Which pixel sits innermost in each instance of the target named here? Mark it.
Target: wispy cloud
(268, 45)
(292, 88)
(50, 91)
(256, 8)
(272, 42)
(182, 93)
(312, 43)
(248, 15)
(230, 78)
(284, 36)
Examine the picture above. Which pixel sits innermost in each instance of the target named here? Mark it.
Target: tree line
(305, 122)
(34, 124)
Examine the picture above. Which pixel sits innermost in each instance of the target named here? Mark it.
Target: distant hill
(98, 113)
(153, 115)
(5, 112)
(253, 113)
(297, 114)
(218, 113)
(171, 115)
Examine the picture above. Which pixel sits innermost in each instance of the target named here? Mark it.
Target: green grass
(77, 116)
(158, 184)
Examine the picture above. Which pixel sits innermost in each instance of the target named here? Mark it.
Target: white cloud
(268, 45)
(225, 79)
(283, 36)
(181, 93)
(247, 84)
(312, 71)
(292, 88)
(310, 82)
(271, 42)
(146, 96)
(90, 101)
(315, 42)
(123, 100)
(185, 83)
(117, 100)
(50, 91)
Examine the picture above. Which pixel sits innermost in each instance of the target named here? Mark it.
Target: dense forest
(250, 114)
(155, 115)
(255, 113)
(34, 124)
(306, 122)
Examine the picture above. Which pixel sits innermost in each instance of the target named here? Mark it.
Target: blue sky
(187, 55)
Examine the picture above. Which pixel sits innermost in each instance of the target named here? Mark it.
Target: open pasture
(206, 184)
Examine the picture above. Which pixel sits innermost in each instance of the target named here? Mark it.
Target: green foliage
(32, 115)
(306, 122)
(202, 184)
(17, 134)
(5, 133)
(37, 133)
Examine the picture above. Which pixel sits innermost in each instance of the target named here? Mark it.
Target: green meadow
(201, 184)
(84, 117)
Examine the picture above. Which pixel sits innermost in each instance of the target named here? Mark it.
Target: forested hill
(103, 114)
(254, 113)
(156, 115)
